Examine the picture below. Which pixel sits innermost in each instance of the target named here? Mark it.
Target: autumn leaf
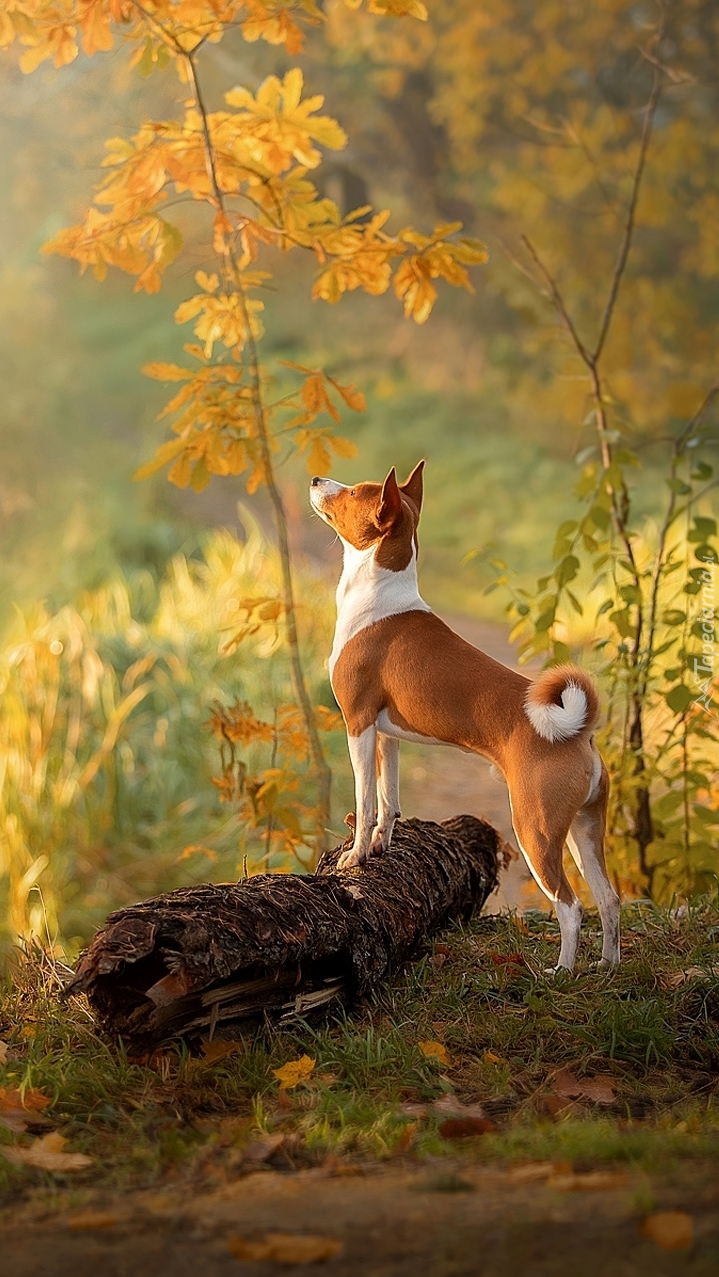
(405, 1139)
(167, 372)
(398, 8)
(598, 1089)
(669, 1229)
(351, 395)
(88, 1221)
(589, 1181)
(457, 1128)
(263, 1148)
(47, 1154)
(318, 458)
(514, 961)
(285, 1248)
(294, 1072)
(3, 1052)
(449, 1106)
(435, 1051)
(218, 1049)
(29, 1099)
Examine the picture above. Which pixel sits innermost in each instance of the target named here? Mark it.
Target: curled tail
(561, 703)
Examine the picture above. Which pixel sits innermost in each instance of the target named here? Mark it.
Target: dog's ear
(390, 502)
(413, 489)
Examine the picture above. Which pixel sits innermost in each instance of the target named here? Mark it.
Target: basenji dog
(399, 673)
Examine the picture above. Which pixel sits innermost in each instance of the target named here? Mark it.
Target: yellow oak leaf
(435, 1051)
(294, 1072)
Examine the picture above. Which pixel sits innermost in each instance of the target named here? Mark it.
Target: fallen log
(217, 960)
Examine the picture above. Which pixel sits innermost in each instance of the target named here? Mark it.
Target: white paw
(558, 971)
(607, 964)
(352, 858)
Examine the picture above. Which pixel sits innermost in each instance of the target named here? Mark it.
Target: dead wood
(219, 959)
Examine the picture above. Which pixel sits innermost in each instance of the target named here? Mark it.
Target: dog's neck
(367, 593)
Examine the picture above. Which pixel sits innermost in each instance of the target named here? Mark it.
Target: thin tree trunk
(324, 774)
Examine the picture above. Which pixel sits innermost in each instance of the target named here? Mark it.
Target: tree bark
(218, 960)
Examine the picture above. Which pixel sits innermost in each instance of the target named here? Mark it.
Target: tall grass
(106, 760)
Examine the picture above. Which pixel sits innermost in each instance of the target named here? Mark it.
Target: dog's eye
(352, 492)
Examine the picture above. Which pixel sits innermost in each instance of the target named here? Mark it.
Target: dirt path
(432, 1221)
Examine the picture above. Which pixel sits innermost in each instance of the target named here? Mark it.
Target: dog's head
(371, 512)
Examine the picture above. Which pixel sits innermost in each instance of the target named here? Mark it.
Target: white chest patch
(368, 593)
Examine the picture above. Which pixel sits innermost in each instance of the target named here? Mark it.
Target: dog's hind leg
(586, 843)
(387, 792)
(541, 841)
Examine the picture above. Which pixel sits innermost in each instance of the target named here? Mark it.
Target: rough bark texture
(217, 960)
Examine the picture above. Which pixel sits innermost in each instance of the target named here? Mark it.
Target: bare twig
(322, 769)
(629, 224)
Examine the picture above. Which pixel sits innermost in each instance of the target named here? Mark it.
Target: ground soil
(427, 1221)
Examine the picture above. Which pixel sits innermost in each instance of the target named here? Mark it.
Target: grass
(653, 1028)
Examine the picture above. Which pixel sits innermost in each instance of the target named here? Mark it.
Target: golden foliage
(294, 1072)
(248, 164)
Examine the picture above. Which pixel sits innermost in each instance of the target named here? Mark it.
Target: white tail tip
(558, 722)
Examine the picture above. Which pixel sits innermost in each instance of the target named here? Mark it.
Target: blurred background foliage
(520, 120)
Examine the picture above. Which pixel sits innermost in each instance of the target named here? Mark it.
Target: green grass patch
(651, 1030)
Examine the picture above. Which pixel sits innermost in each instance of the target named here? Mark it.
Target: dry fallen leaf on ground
(676, 978)
(413, 1108)
(598, 1089)
(30, 1099)
(294, 1072)
(91, 1220)
(451, 1106)
(533, 1172)
(459, 1128)
(19, 1121)
(514, 961)
(556, 1105)
(406, 1138)
(216, 1050)
(589, 1181)
(285, 1248)
(670, 1229)
(261, 1149)
(435, 1051)
(46, 1154)
(20, 1112)
(3, 1052)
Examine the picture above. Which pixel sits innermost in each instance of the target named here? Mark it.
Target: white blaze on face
(319, 491)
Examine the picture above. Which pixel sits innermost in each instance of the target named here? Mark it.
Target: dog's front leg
(387, 792)
(363, 756)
